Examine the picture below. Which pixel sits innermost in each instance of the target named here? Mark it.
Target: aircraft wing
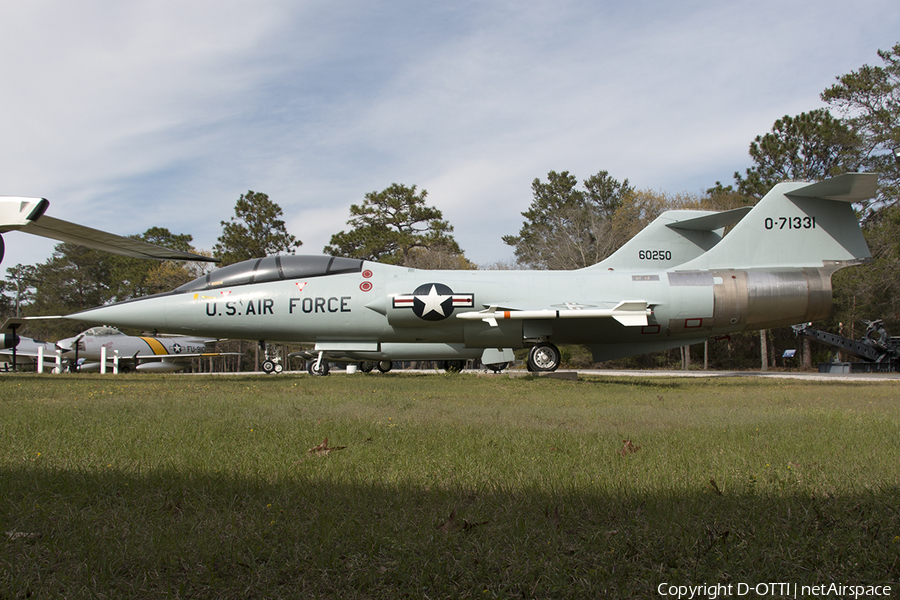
(631, 313)
(28, 353)
(26, 357)
(27, 214)
(65, 231)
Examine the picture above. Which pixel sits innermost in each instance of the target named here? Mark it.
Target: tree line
(568, 225)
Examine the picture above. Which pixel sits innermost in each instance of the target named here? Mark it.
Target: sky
(159, 113)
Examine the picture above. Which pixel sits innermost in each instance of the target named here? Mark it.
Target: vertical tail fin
(797, 225)
(673, 238)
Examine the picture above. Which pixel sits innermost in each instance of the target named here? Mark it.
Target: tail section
(17, 212)
(797, 225)
(673, 238)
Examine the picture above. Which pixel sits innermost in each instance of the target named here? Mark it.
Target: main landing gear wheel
(543, 358)
(385, 366)
(271, 361)
(321, 371)
(270, 366)
(453, 366)
(366, 366)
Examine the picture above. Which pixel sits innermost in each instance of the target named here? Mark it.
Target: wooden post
(763, 350)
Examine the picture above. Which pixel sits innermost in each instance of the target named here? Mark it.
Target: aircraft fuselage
(380, 303)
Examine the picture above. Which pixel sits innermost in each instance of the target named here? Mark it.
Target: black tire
(454, 366)
(385, 366)
(366, 366)
(268, 367)
(543, 358)
(321, 371)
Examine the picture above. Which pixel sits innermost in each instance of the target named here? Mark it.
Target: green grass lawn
(180, 486)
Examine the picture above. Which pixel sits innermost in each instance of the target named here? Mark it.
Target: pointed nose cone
(149, 313)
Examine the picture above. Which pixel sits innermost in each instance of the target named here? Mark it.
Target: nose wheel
(543, 357)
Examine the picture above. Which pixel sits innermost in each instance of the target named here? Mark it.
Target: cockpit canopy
(273, 268)
(101, 331)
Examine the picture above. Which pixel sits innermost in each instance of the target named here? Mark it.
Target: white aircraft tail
(17, 212)
(797, 225)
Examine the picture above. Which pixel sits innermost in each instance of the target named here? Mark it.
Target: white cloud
(162, 113)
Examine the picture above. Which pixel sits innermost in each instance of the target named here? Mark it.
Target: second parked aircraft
(164, 354)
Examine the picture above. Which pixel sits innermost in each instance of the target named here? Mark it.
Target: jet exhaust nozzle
(10, 340)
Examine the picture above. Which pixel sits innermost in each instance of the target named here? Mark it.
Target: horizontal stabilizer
(12, 324)
(850, 187)
(711, 222)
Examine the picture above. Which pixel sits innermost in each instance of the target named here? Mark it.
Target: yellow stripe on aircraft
(155, 345)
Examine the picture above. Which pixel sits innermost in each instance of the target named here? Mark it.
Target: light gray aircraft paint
(678, 282)
(27, 214)
(142, 353)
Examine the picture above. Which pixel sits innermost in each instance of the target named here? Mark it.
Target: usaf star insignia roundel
(434, 301)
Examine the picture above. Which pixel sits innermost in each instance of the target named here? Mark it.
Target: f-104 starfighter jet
(679, 281)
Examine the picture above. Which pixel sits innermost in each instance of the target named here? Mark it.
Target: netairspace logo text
(771, 590)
